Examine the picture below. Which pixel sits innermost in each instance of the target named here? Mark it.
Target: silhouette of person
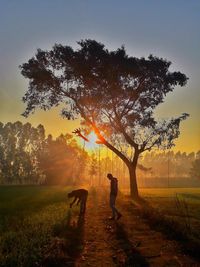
(113, 195)
(80, 195)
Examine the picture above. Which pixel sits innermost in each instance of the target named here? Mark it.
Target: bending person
(80, 195)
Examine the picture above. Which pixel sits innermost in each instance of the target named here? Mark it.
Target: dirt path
(128, 242)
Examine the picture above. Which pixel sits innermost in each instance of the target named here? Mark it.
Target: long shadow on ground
(190, 245)
(126, 253)
(67, 245)
(133, 256)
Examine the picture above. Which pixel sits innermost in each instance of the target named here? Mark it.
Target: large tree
(115, 94)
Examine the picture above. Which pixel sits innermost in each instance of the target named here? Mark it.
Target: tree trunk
(133, 182)
(131, 166)
(132, 172)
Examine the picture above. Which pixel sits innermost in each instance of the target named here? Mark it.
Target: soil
(127, 242)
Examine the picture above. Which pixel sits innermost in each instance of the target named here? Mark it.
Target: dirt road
(127, 242)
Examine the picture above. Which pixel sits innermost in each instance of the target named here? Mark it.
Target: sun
(92, 141)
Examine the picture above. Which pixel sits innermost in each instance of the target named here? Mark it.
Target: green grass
(168, 192)
(28, 217)
(164, 200)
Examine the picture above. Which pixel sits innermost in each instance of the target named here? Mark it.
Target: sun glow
(92, 141)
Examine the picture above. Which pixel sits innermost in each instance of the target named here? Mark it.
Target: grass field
(31, 217)
(180, 204)
(28, 217)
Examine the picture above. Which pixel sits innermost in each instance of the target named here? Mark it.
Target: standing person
(113, 195)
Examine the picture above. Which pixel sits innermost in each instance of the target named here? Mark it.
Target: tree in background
(62, 161)
(19, 144)
(115, 95)
(169, 163)
(195, 170)
(93, 168)
(26, 155)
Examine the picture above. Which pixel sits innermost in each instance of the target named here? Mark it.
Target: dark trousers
(83, 204)
(112, 205)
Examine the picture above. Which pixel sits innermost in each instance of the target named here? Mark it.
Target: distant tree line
(27, 156)
(182, 168)
(173, 164)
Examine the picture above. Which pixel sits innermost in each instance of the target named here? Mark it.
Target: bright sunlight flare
(92, 141)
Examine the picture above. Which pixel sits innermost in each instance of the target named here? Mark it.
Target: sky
(168, 29)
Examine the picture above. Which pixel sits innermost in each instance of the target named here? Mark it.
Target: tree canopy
(114, 93)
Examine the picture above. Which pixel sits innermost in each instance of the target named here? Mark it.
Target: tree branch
(99, 135)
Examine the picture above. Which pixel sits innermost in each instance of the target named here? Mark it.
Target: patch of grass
(27, 224)
(176, 213)
(164, 201)
(161, 222)
(167, 192)
(19, 199)
(67, 243)
(173, 229)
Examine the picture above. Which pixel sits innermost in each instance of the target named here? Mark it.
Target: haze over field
(166, 29)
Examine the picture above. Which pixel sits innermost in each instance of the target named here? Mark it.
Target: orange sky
(164, 29)
(188, 141)
(177, 102)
